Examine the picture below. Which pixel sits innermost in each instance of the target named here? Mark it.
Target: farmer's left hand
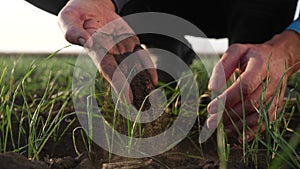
(96, 25)
(270, 64)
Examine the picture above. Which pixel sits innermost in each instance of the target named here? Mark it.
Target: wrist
(288, 43)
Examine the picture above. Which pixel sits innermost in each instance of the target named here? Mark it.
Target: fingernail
(212, 124)
(212, 84)
(81, 41)
(212, 109)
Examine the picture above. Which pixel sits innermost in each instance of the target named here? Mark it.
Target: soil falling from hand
(141, 84)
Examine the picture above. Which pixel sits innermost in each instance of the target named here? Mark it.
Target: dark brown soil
(141, 85)
(188, 154)
(180, 157)
(12, 160)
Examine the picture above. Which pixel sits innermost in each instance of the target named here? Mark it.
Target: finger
(252, 119)
(253, 132)
(92, 23)
(237, 112)
(253, 102)
(123, 39)
(128, 44)
(247, 83)
(104, 42)
(236, 127)
(148, 64)
(116, 78)
(226, 66)
(123, 45)
(132, 44)
(250, 104)
(72, 27)
(213, 121)
(253, 122)
(259, 128)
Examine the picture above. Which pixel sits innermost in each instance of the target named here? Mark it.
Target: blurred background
(27, 29)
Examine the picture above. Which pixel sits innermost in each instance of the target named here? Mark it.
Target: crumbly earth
(179, 157)
(141, 84)
(187, 154)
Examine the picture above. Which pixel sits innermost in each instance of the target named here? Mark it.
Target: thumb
(147, 63)
(72, 27)
(226, 66)
(79, 36)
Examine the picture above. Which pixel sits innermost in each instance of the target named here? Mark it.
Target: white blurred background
(27, 29)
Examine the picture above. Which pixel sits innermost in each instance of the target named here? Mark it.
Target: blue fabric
(119, 4)
(295, 26)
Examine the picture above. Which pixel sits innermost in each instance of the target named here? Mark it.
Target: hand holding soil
(108, 57)
(141, 85)
(97, 27)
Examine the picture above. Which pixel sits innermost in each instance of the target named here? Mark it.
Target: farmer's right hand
(89, 23)
(264, 71)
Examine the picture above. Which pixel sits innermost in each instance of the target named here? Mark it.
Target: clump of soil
(141, 85)
(179, 157)
(16, 161)
(187, 154)
(12, 160)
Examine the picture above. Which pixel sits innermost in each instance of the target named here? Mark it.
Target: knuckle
(236, 46)
(253, 104)
(69, 35)
(247, 88)
(254, 52)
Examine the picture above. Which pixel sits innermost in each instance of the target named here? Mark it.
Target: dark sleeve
(51, 6)
(119, 4)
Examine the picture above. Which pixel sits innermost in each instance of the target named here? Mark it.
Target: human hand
(82, 23)
(268, 64)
